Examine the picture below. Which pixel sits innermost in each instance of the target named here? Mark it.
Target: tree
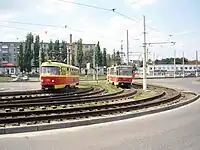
(63, 52)
(36, 51)
(171, 61)
(109, 61)
(21, 58)
(73, 59)
(57, 53)
(80, 53)
(98, 55)
(118, 59)
(42, 55)
(134, 67)
(28, 54)
(104, 57)
(50, 50)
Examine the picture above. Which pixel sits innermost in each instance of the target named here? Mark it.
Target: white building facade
(169, 69)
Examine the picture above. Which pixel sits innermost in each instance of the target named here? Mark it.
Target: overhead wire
(16, 28)
(112, 10)
(80, 4)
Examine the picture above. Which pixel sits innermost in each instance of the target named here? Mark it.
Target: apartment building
(9, 55)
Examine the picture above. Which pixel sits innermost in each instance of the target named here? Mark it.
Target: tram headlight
(52, 81)
(42, 80)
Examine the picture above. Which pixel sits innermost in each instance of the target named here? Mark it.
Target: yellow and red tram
(120, 75)
(55, 75)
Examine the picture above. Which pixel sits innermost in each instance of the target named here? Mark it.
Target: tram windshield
(125, 71)
(50, 70)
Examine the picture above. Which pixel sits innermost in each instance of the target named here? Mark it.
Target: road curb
(60, 125)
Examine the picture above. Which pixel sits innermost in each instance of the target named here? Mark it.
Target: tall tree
(43, 55)
(113, 58)
(21, 58)
(98, 55)
(36, 51)
(73, 62)
(104, 57)
(100, 58)
(88, 57)
(118, 59)
(50, 50)
(28, 55)
(109, 61)
(63, 52)
(79, 53)
(57, 52)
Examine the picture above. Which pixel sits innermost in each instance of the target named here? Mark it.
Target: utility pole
(127, 48)
(196, 63)
(40, 60)
(94, 63)
(174, 63)
(144, 58)
(147, 55)
(97, 72)
(154, 64)
(71, 51)
(122, 54)
(183, 66)
(114, 56)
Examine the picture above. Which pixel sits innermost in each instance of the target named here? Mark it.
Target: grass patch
(4, 79)
(143, 95)
(104, 84)
(90, 77)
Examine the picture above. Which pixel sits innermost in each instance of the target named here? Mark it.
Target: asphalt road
(19, 86)
(172, 130)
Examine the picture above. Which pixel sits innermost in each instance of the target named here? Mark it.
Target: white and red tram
(120, 75)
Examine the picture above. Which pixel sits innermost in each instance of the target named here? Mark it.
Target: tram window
(117, 72)
(125, 71)
(50, 70)
(63, 71)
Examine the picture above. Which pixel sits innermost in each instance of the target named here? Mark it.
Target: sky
(178, 18)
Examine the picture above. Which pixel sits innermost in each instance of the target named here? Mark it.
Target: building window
(172, 67)
(150, 68)
(181, 68)
(186, 67)
(86, 46)
(190, 68)
(12, 70)
(15, 59)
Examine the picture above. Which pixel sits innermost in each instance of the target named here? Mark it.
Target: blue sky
(177, 17)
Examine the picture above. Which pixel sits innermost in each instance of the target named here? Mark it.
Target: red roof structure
(9, 65)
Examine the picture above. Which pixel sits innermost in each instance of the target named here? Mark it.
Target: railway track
(21, 95)
(92, 103)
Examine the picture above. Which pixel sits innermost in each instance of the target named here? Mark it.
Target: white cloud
(109, 33)
(7, 16)
(53, 6)
(140, 3)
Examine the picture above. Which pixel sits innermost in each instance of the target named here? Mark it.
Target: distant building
(86, 47)
(168, 69)
(9, 55)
